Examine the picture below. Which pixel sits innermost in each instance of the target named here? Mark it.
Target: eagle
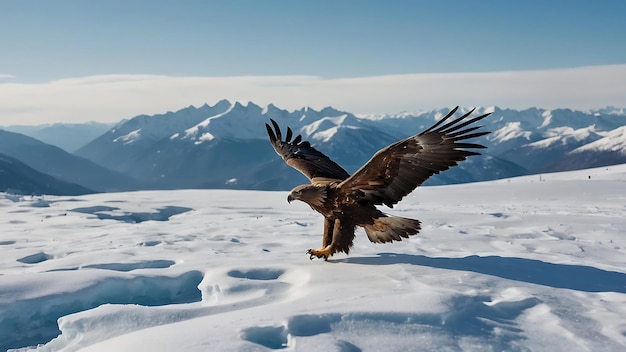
(347, 201)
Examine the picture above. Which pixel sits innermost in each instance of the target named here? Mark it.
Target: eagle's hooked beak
(289, 198)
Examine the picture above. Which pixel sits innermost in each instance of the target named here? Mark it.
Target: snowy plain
(535, 263)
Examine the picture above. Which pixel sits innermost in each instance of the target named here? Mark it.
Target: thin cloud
(116, 97)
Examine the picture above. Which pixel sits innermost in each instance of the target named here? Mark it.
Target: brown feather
(303, 157)
(405, 165)
(393, 172)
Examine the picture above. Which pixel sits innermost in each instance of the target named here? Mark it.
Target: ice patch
(28, 322)
(111, 213)
(257, 274)
(125, 267)
(35, 258)
(150, 243)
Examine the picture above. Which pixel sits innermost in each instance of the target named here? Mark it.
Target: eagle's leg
(328, 232)
(326, 251)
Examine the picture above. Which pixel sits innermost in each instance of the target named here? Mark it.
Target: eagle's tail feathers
(391, 228)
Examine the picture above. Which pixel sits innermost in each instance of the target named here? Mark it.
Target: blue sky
(46, 41)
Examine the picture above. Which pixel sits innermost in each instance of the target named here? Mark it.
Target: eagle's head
(313, 195)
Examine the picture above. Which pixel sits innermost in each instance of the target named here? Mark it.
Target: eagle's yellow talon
(317, 253)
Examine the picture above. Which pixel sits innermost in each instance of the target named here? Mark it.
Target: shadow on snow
(573, 277)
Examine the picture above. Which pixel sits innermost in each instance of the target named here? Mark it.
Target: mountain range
(67, 136)
(17, 177)
(61, 165)
(225, 145)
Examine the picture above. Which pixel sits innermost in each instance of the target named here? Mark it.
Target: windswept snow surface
(510, 265)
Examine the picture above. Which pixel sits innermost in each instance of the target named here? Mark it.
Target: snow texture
(525, 264)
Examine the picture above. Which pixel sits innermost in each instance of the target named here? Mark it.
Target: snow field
(516, 265)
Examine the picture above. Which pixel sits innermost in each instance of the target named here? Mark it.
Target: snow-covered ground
(510, 265)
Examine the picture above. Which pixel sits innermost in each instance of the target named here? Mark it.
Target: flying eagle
(393, 172)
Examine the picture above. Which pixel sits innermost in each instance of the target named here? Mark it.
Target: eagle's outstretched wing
(303, 157)
(395, 171)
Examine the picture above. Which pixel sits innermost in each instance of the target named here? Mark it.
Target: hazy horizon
(74, 61)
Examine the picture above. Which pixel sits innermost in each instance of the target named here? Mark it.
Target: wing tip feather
(270, 133)
(277, 130)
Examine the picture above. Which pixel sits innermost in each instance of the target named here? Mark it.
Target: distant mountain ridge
(61, 165)
(67, 136)
(225, 145)
(17, 177)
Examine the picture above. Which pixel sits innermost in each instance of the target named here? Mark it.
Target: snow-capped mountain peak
(511, 130)
(130, 137)
(213, 144)
(323, 124)
(547, 118)
(566, 135)
(613, 141)
(198, 131)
